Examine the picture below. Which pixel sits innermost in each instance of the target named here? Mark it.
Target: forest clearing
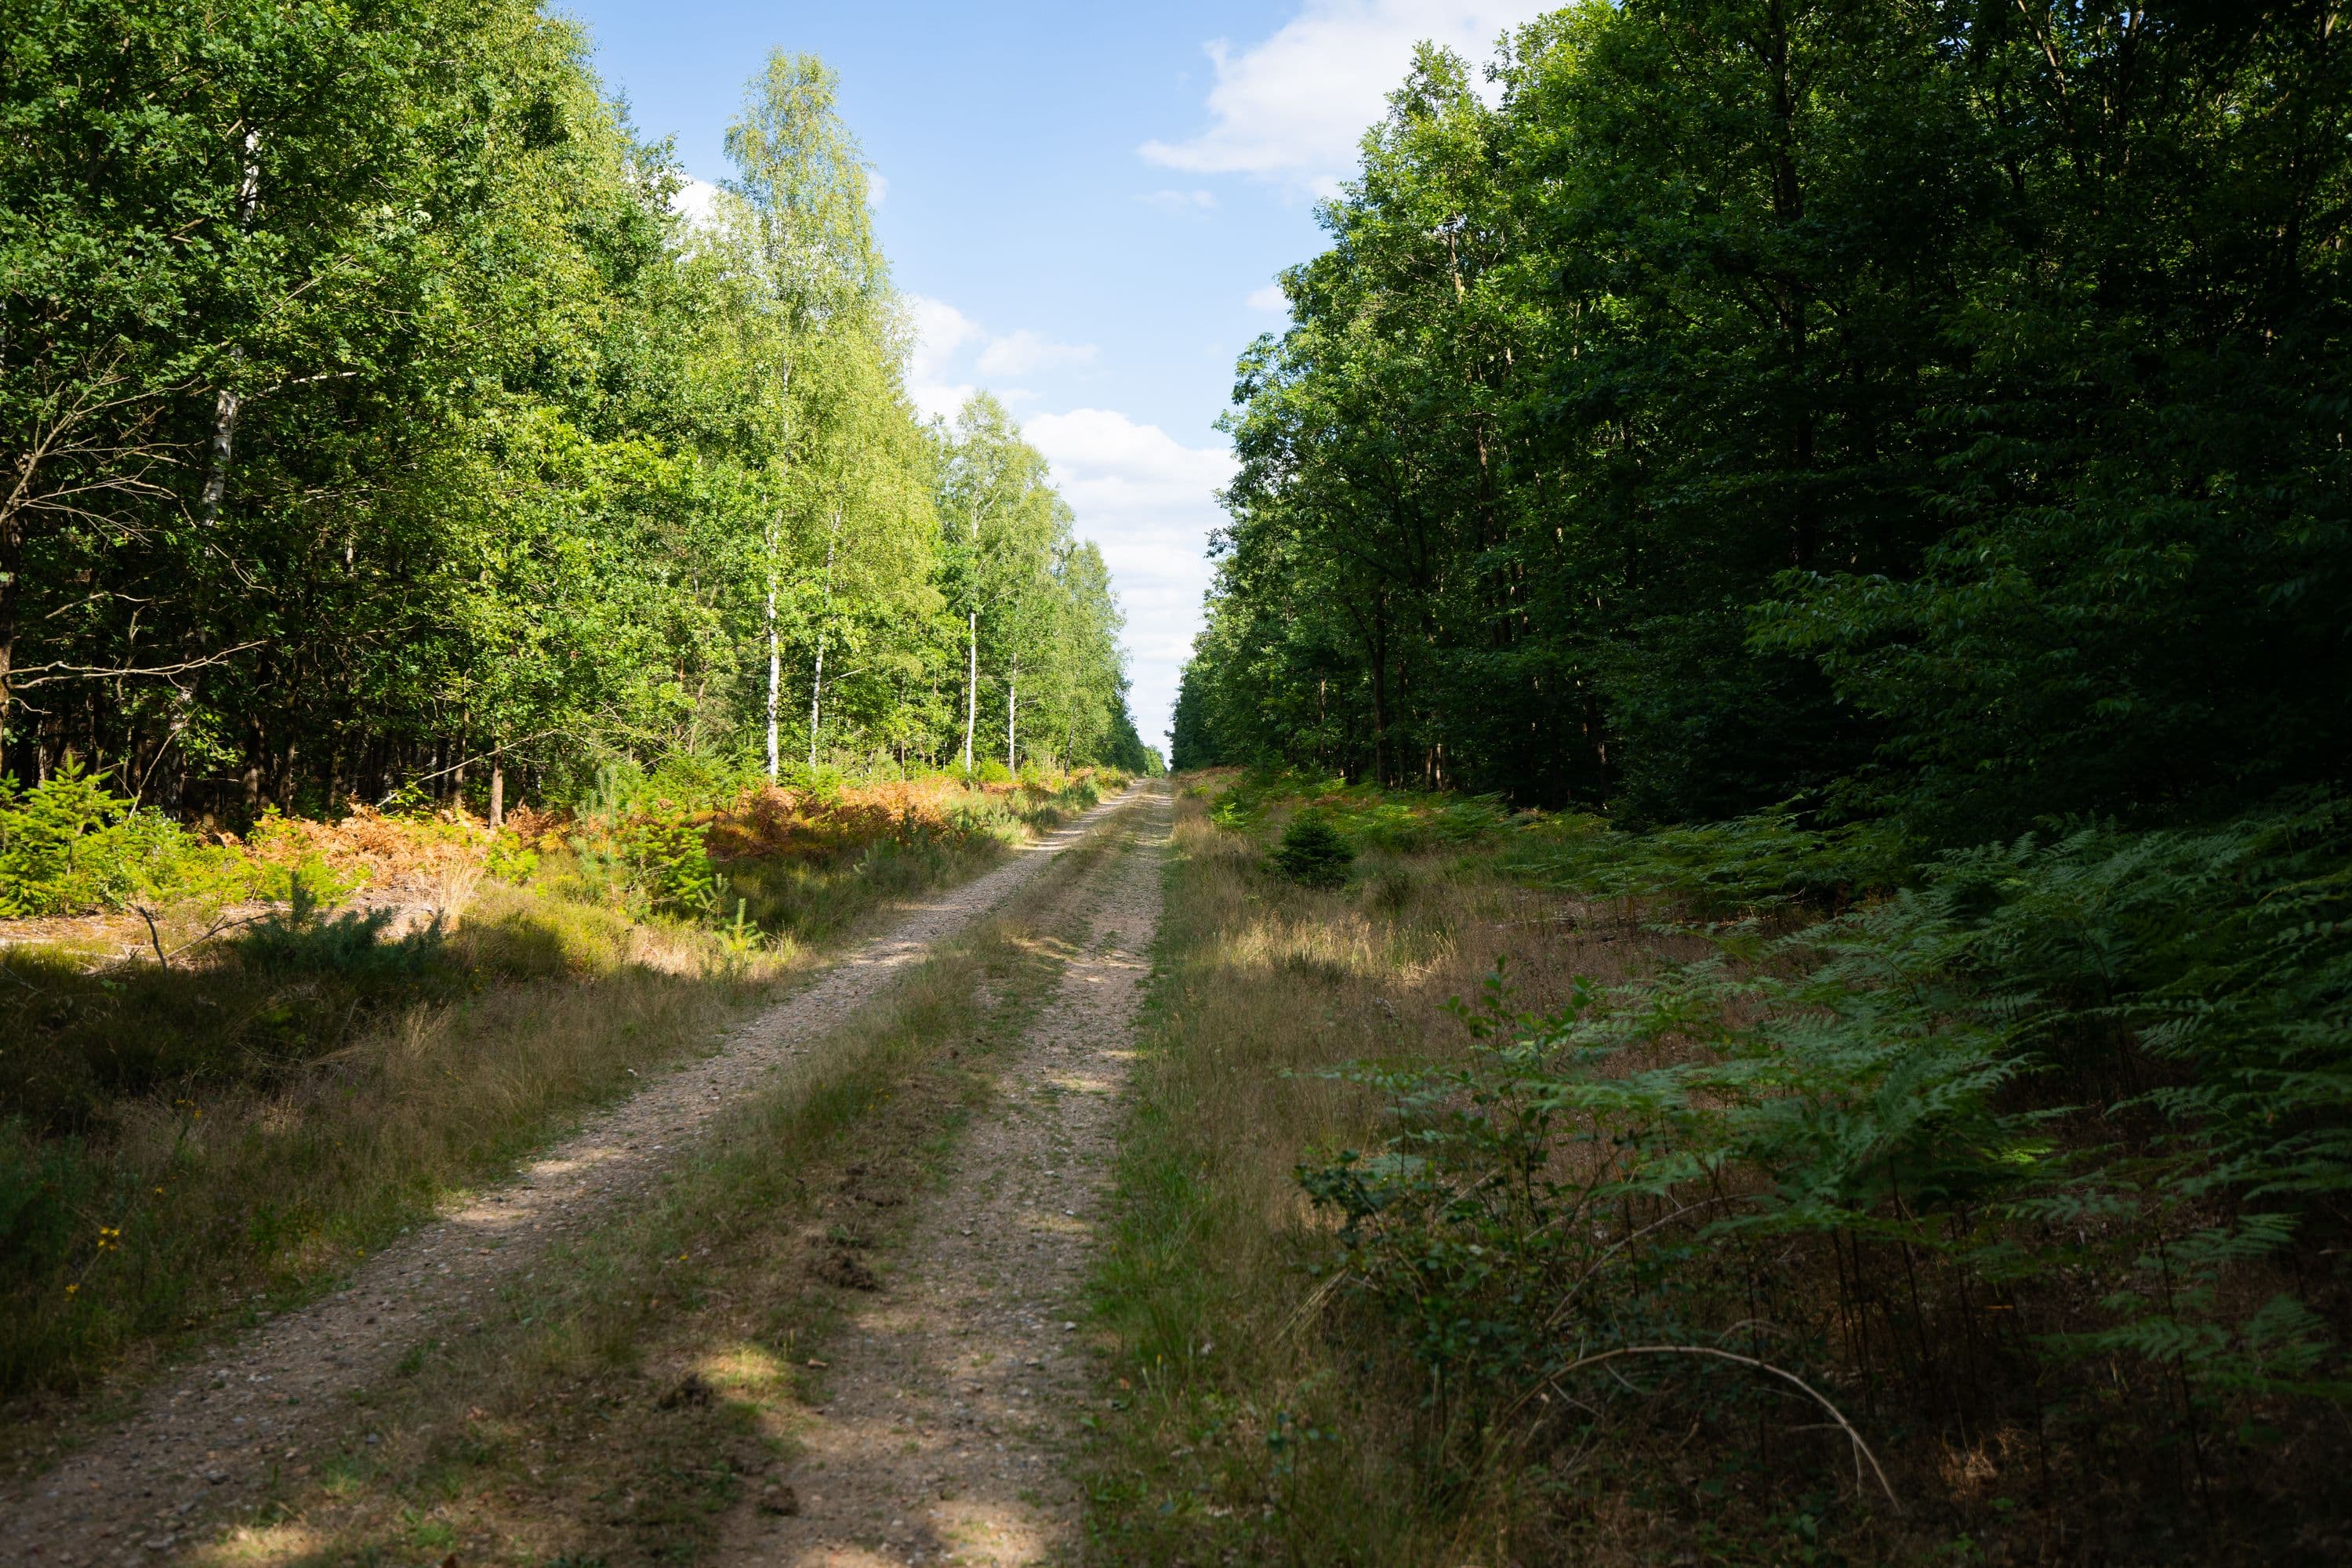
(1741, 953)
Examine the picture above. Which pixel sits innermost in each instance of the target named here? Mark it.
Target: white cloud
(1148, 500)
(1292, 108)
(953, 353)
(1019, 352)
(942, 333)
(877, 187)
(1271, 299)
(694, 201)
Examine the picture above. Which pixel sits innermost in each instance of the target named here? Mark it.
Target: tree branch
(42, 674)
(1862, 1449)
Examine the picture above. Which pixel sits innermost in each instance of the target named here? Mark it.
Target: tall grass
(1245, 1429)
(185, 1144)
(1757, 1211)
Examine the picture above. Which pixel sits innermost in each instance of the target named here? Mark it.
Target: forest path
(208, 1437)
(954, 1390)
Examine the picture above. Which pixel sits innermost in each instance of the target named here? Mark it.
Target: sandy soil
(953, 1391)
(205, 1439)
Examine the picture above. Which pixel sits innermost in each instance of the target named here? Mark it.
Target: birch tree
(802, 185)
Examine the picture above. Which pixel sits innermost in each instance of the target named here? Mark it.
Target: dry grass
(614, 1407)
(239, 1186)
(1250, 1432)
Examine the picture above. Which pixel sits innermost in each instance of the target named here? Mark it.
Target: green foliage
(1313, 852)
(1742, 867)
(69, 845)
(1741, 406)
(2143, 1041)
(350, 946)
(669, 862)
(1736, 434)
(367, 477)
(509, 858)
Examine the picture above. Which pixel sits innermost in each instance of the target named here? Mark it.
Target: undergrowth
(1990, 1205)
(206, 1118)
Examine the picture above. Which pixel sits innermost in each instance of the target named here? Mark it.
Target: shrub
(670, 862)
(1313, 853)
(69, 844)
(2102, 1084)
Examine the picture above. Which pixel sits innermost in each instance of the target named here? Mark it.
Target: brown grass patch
(1242, 1432)
(613, 1409)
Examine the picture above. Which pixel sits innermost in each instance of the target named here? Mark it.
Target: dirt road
(954, 1390)
(207, 1438)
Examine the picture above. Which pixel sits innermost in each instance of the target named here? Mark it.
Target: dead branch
(1861, 1449)
(42, 674)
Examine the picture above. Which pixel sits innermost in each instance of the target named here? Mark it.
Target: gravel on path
(954, 1393)
(205, 1439)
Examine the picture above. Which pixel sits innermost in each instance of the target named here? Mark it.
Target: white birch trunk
(824, 626)
(971, 691)
(817, 687)
(227, 404)
(775, 663)
(775, 543)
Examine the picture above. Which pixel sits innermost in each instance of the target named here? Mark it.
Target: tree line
(376, 427)
(1932, 411)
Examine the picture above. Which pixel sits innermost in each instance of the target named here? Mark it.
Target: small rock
(215, 1477)
(778, 1499)
(161, 1543)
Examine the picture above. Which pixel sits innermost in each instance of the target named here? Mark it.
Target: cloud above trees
(1290, 108)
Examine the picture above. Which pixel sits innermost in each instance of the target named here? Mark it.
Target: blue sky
(1086, 204)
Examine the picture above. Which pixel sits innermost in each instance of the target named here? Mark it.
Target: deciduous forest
(1929, 411)
(1747, 959)
(1852, 499)
(376, 427)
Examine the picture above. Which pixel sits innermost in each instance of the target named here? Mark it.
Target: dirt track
(205, 1439)
(954, 1388)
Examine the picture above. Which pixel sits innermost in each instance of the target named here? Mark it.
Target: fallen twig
(153, 937)
(1862, 1449)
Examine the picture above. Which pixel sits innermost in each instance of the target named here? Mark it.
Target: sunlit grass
(1239, 1425)
(228, 1184)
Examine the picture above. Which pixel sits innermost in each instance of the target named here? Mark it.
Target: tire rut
(954, 1393)
(205, 1439)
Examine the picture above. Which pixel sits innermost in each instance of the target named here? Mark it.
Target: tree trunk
(12, 556)
(775, 659)
(971, 691)
(824, 625)
(1011, 716)
(816, 691)
(225, 412)
(497, 792)
(227, 404)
